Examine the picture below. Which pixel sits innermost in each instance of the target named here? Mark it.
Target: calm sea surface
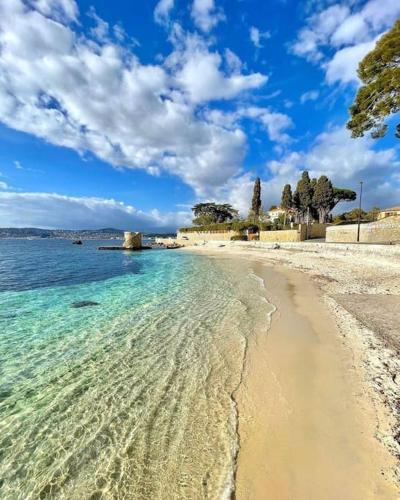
(131, 396)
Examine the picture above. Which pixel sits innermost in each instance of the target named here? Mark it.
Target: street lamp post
(359, 213)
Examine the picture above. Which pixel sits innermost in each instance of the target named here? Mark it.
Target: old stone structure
(132, 240)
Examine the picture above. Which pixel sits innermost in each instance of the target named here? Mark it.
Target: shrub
(239, 237)
(237, 225)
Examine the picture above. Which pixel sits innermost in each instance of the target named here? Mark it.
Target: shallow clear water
(129, 398)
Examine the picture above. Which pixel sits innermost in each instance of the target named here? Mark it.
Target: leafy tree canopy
(212, 213)
(340, 194)
(380, 95)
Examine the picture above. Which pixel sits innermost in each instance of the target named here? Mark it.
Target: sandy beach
(318, 404)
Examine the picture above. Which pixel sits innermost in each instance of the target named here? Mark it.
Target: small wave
(260, 280)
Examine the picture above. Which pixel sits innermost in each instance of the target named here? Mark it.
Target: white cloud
(311, 95)
(200, 76)
(256, 36)
(18, 165)
(55, 211)
(101, 28)
(343, 65)
(162, 11)
(96, 96)
(205, 15)
(318, 30)
(3, 185)
(349, 32)
(56, 9)
(275, 124)
(233, 62)
(344, 160)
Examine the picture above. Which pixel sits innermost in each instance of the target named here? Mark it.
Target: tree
(213, 213)
(287, 197)
(323, 198)
(256, 201)
(340, 194)
(304, 195)
(373, 213)
(380, 95)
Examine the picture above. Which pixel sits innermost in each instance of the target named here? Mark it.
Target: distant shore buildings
(389, 212)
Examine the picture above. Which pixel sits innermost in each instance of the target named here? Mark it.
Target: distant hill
(69, 234)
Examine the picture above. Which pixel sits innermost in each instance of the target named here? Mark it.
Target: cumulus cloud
(3, 185)
(55, 211)
(349, 32)
(94, 95)
(206, 15)
(274, 123)
(343, 65)
(344, 160)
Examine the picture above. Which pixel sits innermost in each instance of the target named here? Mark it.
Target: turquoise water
(132, 396)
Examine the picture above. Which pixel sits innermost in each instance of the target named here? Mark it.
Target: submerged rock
(84, 303)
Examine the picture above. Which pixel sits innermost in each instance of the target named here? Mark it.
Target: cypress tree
(323, 198)
(287, 197)
(256, 201)
(304, 193)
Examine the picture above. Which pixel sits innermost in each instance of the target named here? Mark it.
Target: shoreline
(367, 422)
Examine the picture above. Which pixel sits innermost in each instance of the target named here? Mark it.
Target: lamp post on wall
(359, 213)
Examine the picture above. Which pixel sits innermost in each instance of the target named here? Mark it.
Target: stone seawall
(382, 231)
(290, 235)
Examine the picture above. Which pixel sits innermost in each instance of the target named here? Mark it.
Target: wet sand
(307, 423)
(306, 431)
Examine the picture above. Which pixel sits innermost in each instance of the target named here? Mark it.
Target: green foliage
(256, 201)
(212, 213)
(237, 225)
(352, 216)
(239, 237)
(340, 194)
(323, 198)
(380, 94)
(304, 193)
(287, 197)
(372, 214)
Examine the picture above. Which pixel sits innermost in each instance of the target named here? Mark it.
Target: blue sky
(124, 114)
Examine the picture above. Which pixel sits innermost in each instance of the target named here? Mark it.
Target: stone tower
(132, 240)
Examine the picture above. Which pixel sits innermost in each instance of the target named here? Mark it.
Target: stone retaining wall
(382, 231)
(284, 235)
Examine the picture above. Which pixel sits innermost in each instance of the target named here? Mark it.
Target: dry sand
(318, 406)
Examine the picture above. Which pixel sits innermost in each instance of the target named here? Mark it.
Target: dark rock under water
(84, 303)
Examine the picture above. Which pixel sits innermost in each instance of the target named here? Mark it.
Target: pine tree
(323, 198)
(379, 97)
(256, 201)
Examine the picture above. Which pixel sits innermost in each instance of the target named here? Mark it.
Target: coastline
(317, 410)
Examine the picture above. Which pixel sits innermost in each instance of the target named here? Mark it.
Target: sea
(118, 370)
